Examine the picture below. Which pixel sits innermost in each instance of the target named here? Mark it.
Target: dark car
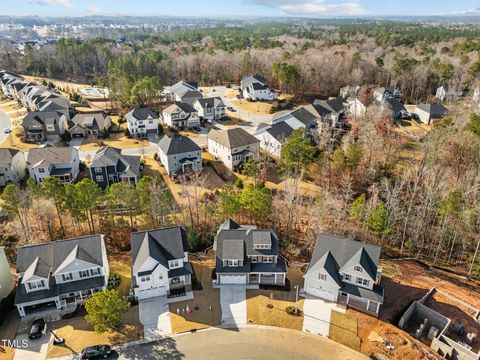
(97, 351)
(231, 109)
(38, 329)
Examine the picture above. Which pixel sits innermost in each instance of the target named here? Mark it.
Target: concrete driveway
(234, 305)
(317, 314)
(155, 317)
(34, 349)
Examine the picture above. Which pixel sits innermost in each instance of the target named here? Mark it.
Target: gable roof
(160, 244)
(252, 79)
(180, 105)
(210, 102)
(50, 155)
(280, 131)
(346, 253)
(183, 88)
(41, 118)
(177, 144)
(95, 121)
(232, 137)
(125, 164)
(301, 114)
(141, 113)
(395, 105)
(433, 109)
(6, 156)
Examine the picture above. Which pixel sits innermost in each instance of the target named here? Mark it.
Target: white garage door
(233, 279)
(327, 295)
(152, 292)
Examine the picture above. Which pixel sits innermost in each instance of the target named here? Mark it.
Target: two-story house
(386, 92)
(330, 112)
(160, 264)
(247, 255)
(61, 274)
(6, 278)
(83, 125)
(233, 146)
(272, 137)
(40, 126)
(429, 113)
(185, 92)
(299, 118)
(346, 272)
(180, 115)
(13, 166)
(62, 162)
(210, 109)
(110, 166)
(179, 154)
(142, 121)
(255, 87)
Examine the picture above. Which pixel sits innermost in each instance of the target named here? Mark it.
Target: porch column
(259, 278)
(368, 304)
(21, 310)
(348, 298)
(275, 278)
(378, 308)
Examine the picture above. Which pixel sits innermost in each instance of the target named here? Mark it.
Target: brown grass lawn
(117, 140)
(69, 87)
(259, 313)
(14, 141)
(209, 296)
(120, 265)
(343, 329)
(78, 334)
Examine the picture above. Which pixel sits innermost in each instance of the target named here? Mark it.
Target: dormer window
(173, 264)
(268, 259)
(67, 277)
(232, 263)
(83, 273)
(358, 268)
(40, 284)
(347, 277)
(361, 281)
(261, 246)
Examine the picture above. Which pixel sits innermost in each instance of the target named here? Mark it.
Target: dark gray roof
(345, 253)
(97, 121)
(229, 224)
(395, 105)
(211, 102)
(109, 156)
(141, 113)
(181, 271)
(161, 244)
(301, 114)
(433, 109)
(375, 295)
(232, 137)
(252, 79)
(177, 144)
(280, 131)
(257, 86)
(41, 117)
(6, 156)
(186, 107)
(330, 106)
(50, 155)
(233, 249)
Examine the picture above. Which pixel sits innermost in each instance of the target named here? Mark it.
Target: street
(244, 343)
(4, 123)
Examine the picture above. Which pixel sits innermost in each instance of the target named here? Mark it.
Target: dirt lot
(66, 86)
(116, 140)
(256, 107)
(403, 283)
(344, 329)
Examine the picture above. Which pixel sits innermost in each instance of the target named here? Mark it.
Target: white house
(210, 109)
(186, 92)
(179, 154)
(13, 166)
(61, 162)
(356, 107)
(60, 274)
(273, 137)
(180, 115)
(233, 146)
(429, 113)
(160, 265)
(346, 272)
(299, 118)
(255, 87)
(6, 278)
(387, 92)
(142, 121)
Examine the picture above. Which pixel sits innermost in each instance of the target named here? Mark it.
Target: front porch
(364, 305)
(267, 279)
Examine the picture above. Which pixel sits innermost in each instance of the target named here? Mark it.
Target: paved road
(242, 344)
(4, 123)
(35, 349)
(234, 305)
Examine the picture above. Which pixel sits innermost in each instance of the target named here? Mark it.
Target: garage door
(148, 293)
(323, 294)
(233, 279)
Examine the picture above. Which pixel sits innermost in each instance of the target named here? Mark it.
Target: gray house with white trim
(247, 255)
(346, 272)
(179, 154)
(61, 274)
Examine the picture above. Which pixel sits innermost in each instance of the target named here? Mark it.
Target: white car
(7, 131)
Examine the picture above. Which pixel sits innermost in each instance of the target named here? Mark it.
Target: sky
(312, 8)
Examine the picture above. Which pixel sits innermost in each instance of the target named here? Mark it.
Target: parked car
(197, 128)
(7, 131)
(231, 109)
(97, 351)
(38, 329)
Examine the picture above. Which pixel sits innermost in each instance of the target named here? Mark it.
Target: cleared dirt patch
(120, 265)
(343, 329)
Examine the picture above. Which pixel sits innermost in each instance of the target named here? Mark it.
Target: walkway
(234, 305)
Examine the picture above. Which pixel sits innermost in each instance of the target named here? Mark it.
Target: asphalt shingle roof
(232, 137)
(141, 113)
(177, 144)
(50, 155)
(433, 109)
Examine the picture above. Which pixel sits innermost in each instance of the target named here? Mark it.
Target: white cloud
(313, 7)
(62, 3)
(94, 9)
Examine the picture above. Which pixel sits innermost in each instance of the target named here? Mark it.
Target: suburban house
(13, 166)
(61, 162)
(210, 109)
(395, 108)
(38, 101)
(40, 126)
(179, 154)
(247, 255)
(356, 107)
(255, 87)
(142, 121)
(429, 113)
(233, 146)
(331, 111)
(272, 137)
(346, 272)
(185, 92)
(83, 125)
(300, 118)
(180, 115)
(6, 278)
(60, 274)
(110, 166)
(160, 264)
(445, 93)
(382, 93)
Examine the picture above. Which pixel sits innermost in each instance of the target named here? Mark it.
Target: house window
(94, 272)
(99, 178)
(232, 262)
(160, 277)
(67, 277)
(83, 273)
(36, 284)
(358, 268)
(98, 170)
(322, 277)
(174, 264)
(145, 278)
(347, 277)
(254, 259)
(268, 259)
(41, 170)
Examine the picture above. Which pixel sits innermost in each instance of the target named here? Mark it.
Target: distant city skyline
(310, 8)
